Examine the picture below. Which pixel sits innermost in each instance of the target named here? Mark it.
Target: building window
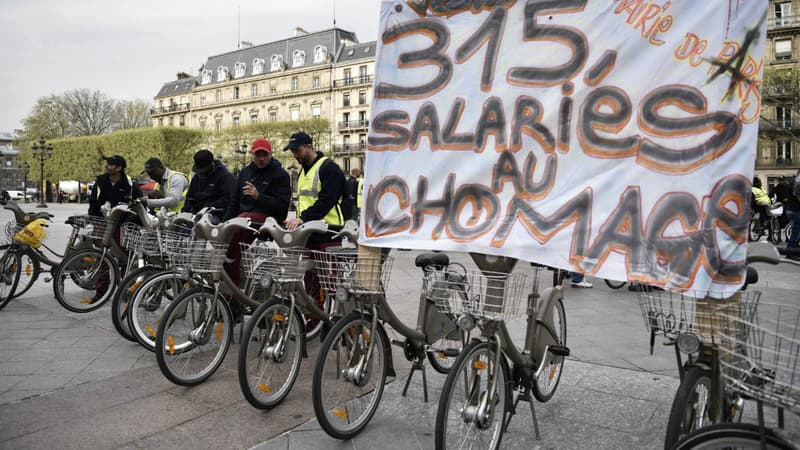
(161, 122)
(161, 103)
(784, 153)
(348, 77)
(346, 119)
(347, 165)
(273, 116)
(362, 142)
(783, 14)
(346, 99)
(783, 116)
(258, 66)
(362, 118)
(298, 58)
(219, 125)
(294, 83)
(236, 92)
(182, 120)
(202, 100)
(315, 81)
(362, 97)
(273, 87)
(169, 121)
(219, 95)
(254, 90)
(275, 63)
(320, 53)
(206, 76)
(783, 49)
(362, 74)
(239, 69)
(295, 113)
(222, 73)
(316, 110)
(236, 121)
(253, 117)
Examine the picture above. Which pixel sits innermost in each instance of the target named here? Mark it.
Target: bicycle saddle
(762, 252)
(22, 217)
(222, 232)
(295, 238)
(350, 231)
(438, 260)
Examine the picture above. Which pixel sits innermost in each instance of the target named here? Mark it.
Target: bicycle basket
(759, 354)
(175, 246)
(91, 227)
(673, 314)
(140, 240)
(358, 272)
(261, 260)
(11, 230)
(487, 295)
(200, 256)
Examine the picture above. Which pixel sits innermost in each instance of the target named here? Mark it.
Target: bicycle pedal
(559, 350)
(450, 352)
(398, 343)
(47, 279)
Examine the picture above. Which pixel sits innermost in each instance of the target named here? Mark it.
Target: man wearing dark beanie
(212, 185)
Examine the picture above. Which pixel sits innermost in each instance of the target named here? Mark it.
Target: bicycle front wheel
(732, 435)
(149, 304)
(615, 284)
(691, 407)
(193, 336)
(349, 376)
(121, 301)
(85, 280)
(28, 273)
(10, 267)
(271, 353)
(468, 416)
(545, 384)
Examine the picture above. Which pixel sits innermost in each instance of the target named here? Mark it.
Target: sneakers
(583, 284)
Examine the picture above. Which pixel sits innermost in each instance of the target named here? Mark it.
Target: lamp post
(24, 167)
(243, 152)
(42, 152)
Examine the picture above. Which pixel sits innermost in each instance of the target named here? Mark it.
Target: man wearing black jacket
(211, 186)
(263, 191)
(113, 187)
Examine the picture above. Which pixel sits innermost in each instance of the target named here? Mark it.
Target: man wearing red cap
(263, 191)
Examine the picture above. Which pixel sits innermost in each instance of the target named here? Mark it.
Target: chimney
(299, 32)
(183, 75)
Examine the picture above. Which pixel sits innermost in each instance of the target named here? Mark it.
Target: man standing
(212, 186)
(349, 201)
(263, 191)
(170, 184)
(113, 186)
(793, 211)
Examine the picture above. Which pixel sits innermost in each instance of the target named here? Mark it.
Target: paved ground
(69, 381)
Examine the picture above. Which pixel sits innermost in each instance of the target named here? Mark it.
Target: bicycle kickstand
(526, 396)
(421, 367)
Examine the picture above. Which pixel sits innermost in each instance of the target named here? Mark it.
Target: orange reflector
(219, 331)
(480, 365)
(441, 356)
(89, 259)
(263, 387)
(340, 413)
(86, 301)
(365, 335)
(133, 287)
(28, 269)
(171, 343)
(553, 370)
(277, 317)
(150, 330)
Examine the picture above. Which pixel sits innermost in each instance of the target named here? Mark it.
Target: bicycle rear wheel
(85, 280)
(10, 268)
(466, 417)
(193, 336)
(149, 304)
(29, 271)
(271, 353)
(122, 299)
(348, 379)
(691, 407)
(544, 386)
(445, 350)
(732, 435)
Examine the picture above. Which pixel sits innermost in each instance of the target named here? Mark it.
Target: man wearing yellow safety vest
(320, 187)
(760, 201)
(171, 186)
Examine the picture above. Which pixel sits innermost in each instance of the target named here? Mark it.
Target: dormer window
(222, 73)
(207, 73)
(239, 70)
(275, 63)
(320, 53)
(258, 66)
(298, 58)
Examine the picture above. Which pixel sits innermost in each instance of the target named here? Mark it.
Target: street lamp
(24, 167)
(43, 152)
(242, 151)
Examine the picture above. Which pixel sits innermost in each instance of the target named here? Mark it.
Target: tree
(47, 120)
(133, 114)
(89, 112)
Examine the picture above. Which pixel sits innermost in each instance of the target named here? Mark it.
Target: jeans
(577, 277)
(794, 219)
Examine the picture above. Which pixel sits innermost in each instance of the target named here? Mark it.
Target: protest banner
(610, 137)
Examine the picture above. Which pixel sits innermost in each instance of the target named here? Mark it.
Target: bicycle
(691, 326)
(476, 401)
(758, 357)
(274, 340)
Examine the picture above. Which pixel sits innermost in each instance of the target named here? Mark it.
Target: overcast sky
(128, 49)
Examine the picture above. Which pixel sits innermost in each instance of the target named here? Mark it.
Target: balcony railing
(783, 22)
(349, 148)
(169, 109)
(780, 125)
(777, 90)
(354, 124)
(353, 81)
(779, 163)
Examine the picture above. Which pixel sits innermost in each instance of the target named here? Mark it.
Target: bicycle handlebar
(294, 238)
